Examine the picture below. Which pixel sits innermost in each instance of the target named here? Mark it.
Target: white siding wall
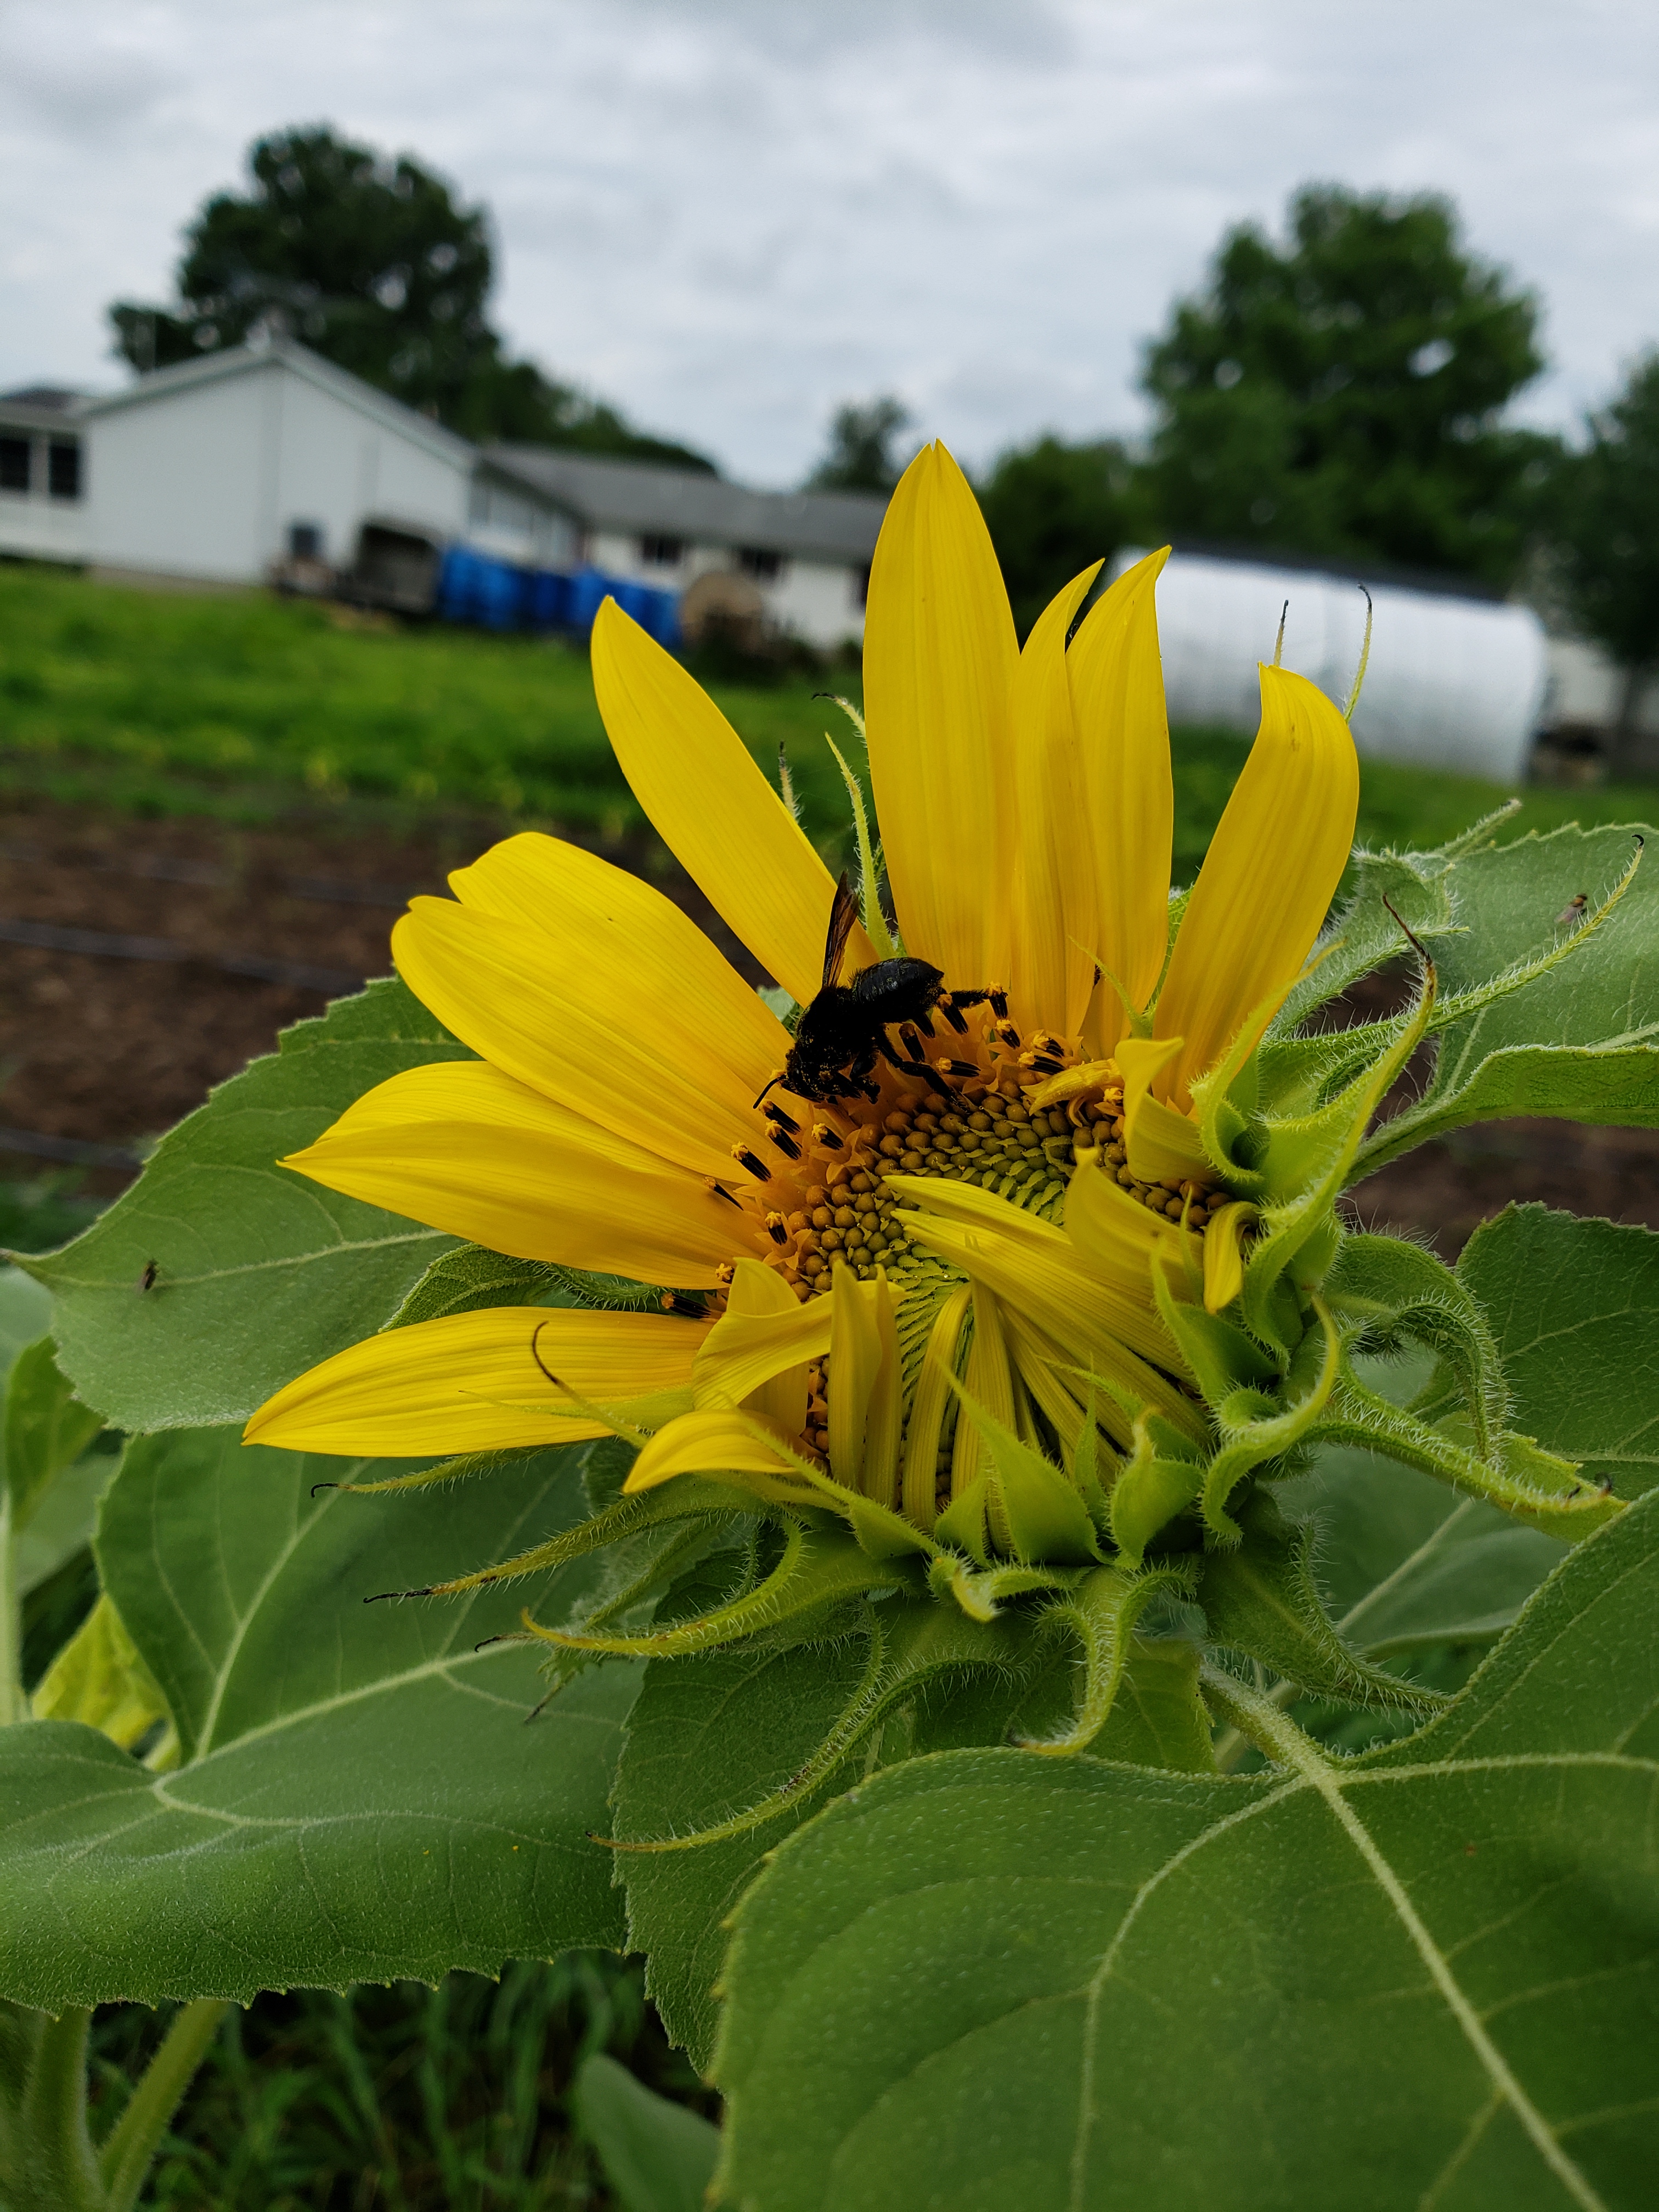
(820, 601)
(816, 601)
(181, 483)
(336, 463)
(205, 481)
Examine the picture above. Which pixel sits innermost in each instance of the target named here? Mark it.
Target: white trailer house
(219, 470)
(43, 475)
(804, 556)
(1456, 680)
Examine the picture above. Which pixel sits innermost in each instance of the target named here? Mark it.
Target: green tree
(860, 456)
(1609, 527)
(1052, 508)
(1340, 392)
(374, 262)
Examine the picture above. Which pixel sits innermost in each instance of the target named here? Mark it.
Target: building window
(861, 586)
(761, 563)
(305, 541)
(14, 464)
(64, 468)
(662, 552)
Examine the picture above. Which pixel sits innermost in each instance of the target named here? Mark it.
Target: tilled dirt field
(142, 963)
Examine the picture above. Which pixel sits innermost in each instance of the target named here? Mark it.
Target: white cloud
(730, 215)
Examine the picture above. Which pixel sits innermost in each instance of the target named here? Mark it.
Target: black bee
(842, 1033)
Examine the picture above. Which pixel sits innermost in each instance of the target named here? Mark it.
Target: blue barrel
(662, 618)
(546, 593)
(458, 584)
(500, 592)
(587, 592)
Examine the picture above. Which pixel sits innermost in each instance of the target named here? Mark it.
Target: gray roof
(40, 407)
(644, 497)
(46, 399)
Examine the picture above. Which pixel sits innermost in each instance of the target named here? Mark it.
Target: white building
(261, 459)
(806, 554)
(1456, 680)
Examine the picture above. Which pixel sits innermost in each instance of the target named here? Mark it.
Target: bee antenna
(772, 1085)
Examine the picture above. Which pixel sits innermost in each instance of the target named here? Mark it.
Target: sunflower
(997, 1242)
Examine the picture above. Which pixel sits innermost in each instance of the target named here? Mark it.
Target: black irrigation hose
(301, 974)
(75, 1149)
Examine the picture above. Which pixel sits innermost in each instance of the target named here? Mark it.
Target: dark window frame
(63, 468)
(659, 550)
(763, 564)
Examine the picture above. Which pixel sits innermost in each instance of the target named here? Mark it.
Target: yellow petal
(1267, 881)
(1114, 1235)
(756, 1341)
(1053, 953)
(470, 1382)
(989, 1381)
(856, 1349)
(1093, 1321)
(583, 1031)
(713, 808)
(885, 1423)
(1224, 1262)
(933, 1399)
(468, 1150)
(720, 1442)
(1119, 1303)
(1161, 1145)
(600, 923)
(940, 660)
(1123, 734)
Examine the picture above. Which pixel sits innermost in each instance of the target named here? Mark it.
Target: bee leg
(922, 1069)
(992, 996)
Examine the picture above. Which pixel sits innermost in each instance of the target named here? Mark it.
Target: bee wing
(843, 913)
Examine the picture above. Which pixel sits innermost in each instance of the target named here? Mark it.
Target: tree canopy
(1339, 392)
(860, 456)
(374, 262)
(1052, 508)
(1609, 522)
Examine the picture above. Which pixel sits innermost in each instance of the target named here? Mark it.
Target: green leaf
(1424, 1976)
(708, 1737)
(360, 1799)
(1409, 1570)
(657, 2156)
(258, 1273)
(1262, 1600)
(1581, 1041)
(64, 1521)
(1575, 1308)
(471, 1277)
(24, 1315)
(99, 1678)
(45, 1431)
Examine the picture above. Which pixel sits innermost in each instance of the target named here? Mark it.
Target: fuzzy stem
(14, 1701)
(125, 2157)
(48, 2162)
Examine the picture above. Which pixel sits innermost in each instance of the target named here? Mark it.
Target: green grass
(248, 707)
(403, 2100)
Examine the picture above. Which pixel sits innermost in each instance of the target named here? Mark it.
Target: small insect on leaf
(147, 1280)
(1573, 911)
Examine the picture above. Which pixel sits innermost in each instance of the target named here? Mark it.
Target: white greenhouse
(1455, 681)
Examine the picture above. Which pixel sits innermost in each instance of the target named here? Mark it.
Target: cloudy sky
(730, 215)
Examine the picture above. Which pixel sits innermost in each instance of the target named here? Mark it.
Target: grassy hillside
(246, 706)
